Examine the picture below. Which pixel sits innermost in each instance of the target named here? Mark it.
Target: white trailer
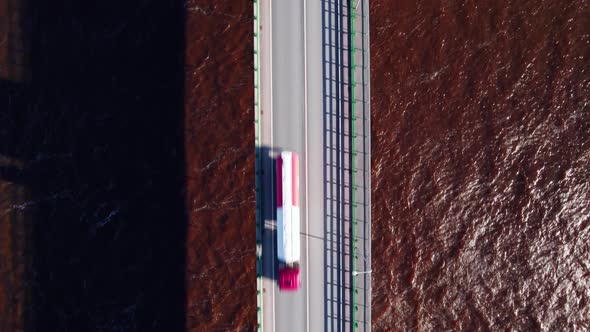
(288, 220)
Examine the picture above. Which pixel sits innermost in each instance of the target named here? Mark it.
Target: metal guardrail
(335, 172)
(258, 167)
(351, 43)
(346, 147)
(360, 77)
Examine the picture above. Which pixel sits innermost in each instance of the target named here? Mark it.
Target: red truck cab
(289, 278)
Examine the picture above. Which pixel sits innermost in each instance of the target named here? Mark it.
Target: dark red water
(481, 165)
(126, 166)
(219, 145)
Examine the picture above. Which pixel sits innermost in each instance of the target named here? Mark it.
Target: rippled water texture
(219, 145)
(481, 165)
(117, 118)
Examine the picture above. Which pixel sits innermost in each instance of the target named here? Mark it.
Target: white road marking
(274, 325)
(306, 163)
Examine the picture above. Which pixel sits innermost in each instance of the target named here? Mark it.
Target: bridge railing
(346, 165)
(360, 74)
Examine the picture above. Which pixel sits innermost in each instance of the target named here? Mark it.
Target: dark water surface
(219, 145)
(126, 166)
(92, 166)
(481, 165)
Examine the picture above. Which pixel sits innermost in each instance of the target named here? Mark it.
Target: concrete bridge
(311, 62)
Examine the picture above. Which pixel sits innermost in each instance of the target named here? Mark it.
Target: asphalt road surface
(291, 104)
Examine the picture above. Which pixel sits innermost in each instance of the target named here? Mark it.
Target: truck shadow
(268, 208)
(95, 132)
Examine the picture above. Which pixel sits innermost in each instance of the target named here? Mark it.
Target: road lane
(291, 41)
(288, 134)
(315, 134)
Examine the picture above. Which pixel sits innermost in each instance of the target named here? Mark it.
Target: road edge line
(306, 162)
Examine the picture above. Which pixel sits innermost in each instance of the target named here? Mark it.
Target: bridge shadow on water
(97, 129)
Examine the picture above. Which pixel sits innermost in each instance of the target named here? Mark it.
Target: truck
(288, 220)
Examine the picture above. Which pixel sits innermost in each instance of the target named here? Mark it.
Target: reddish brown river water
(117, 117)
(481, 165)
